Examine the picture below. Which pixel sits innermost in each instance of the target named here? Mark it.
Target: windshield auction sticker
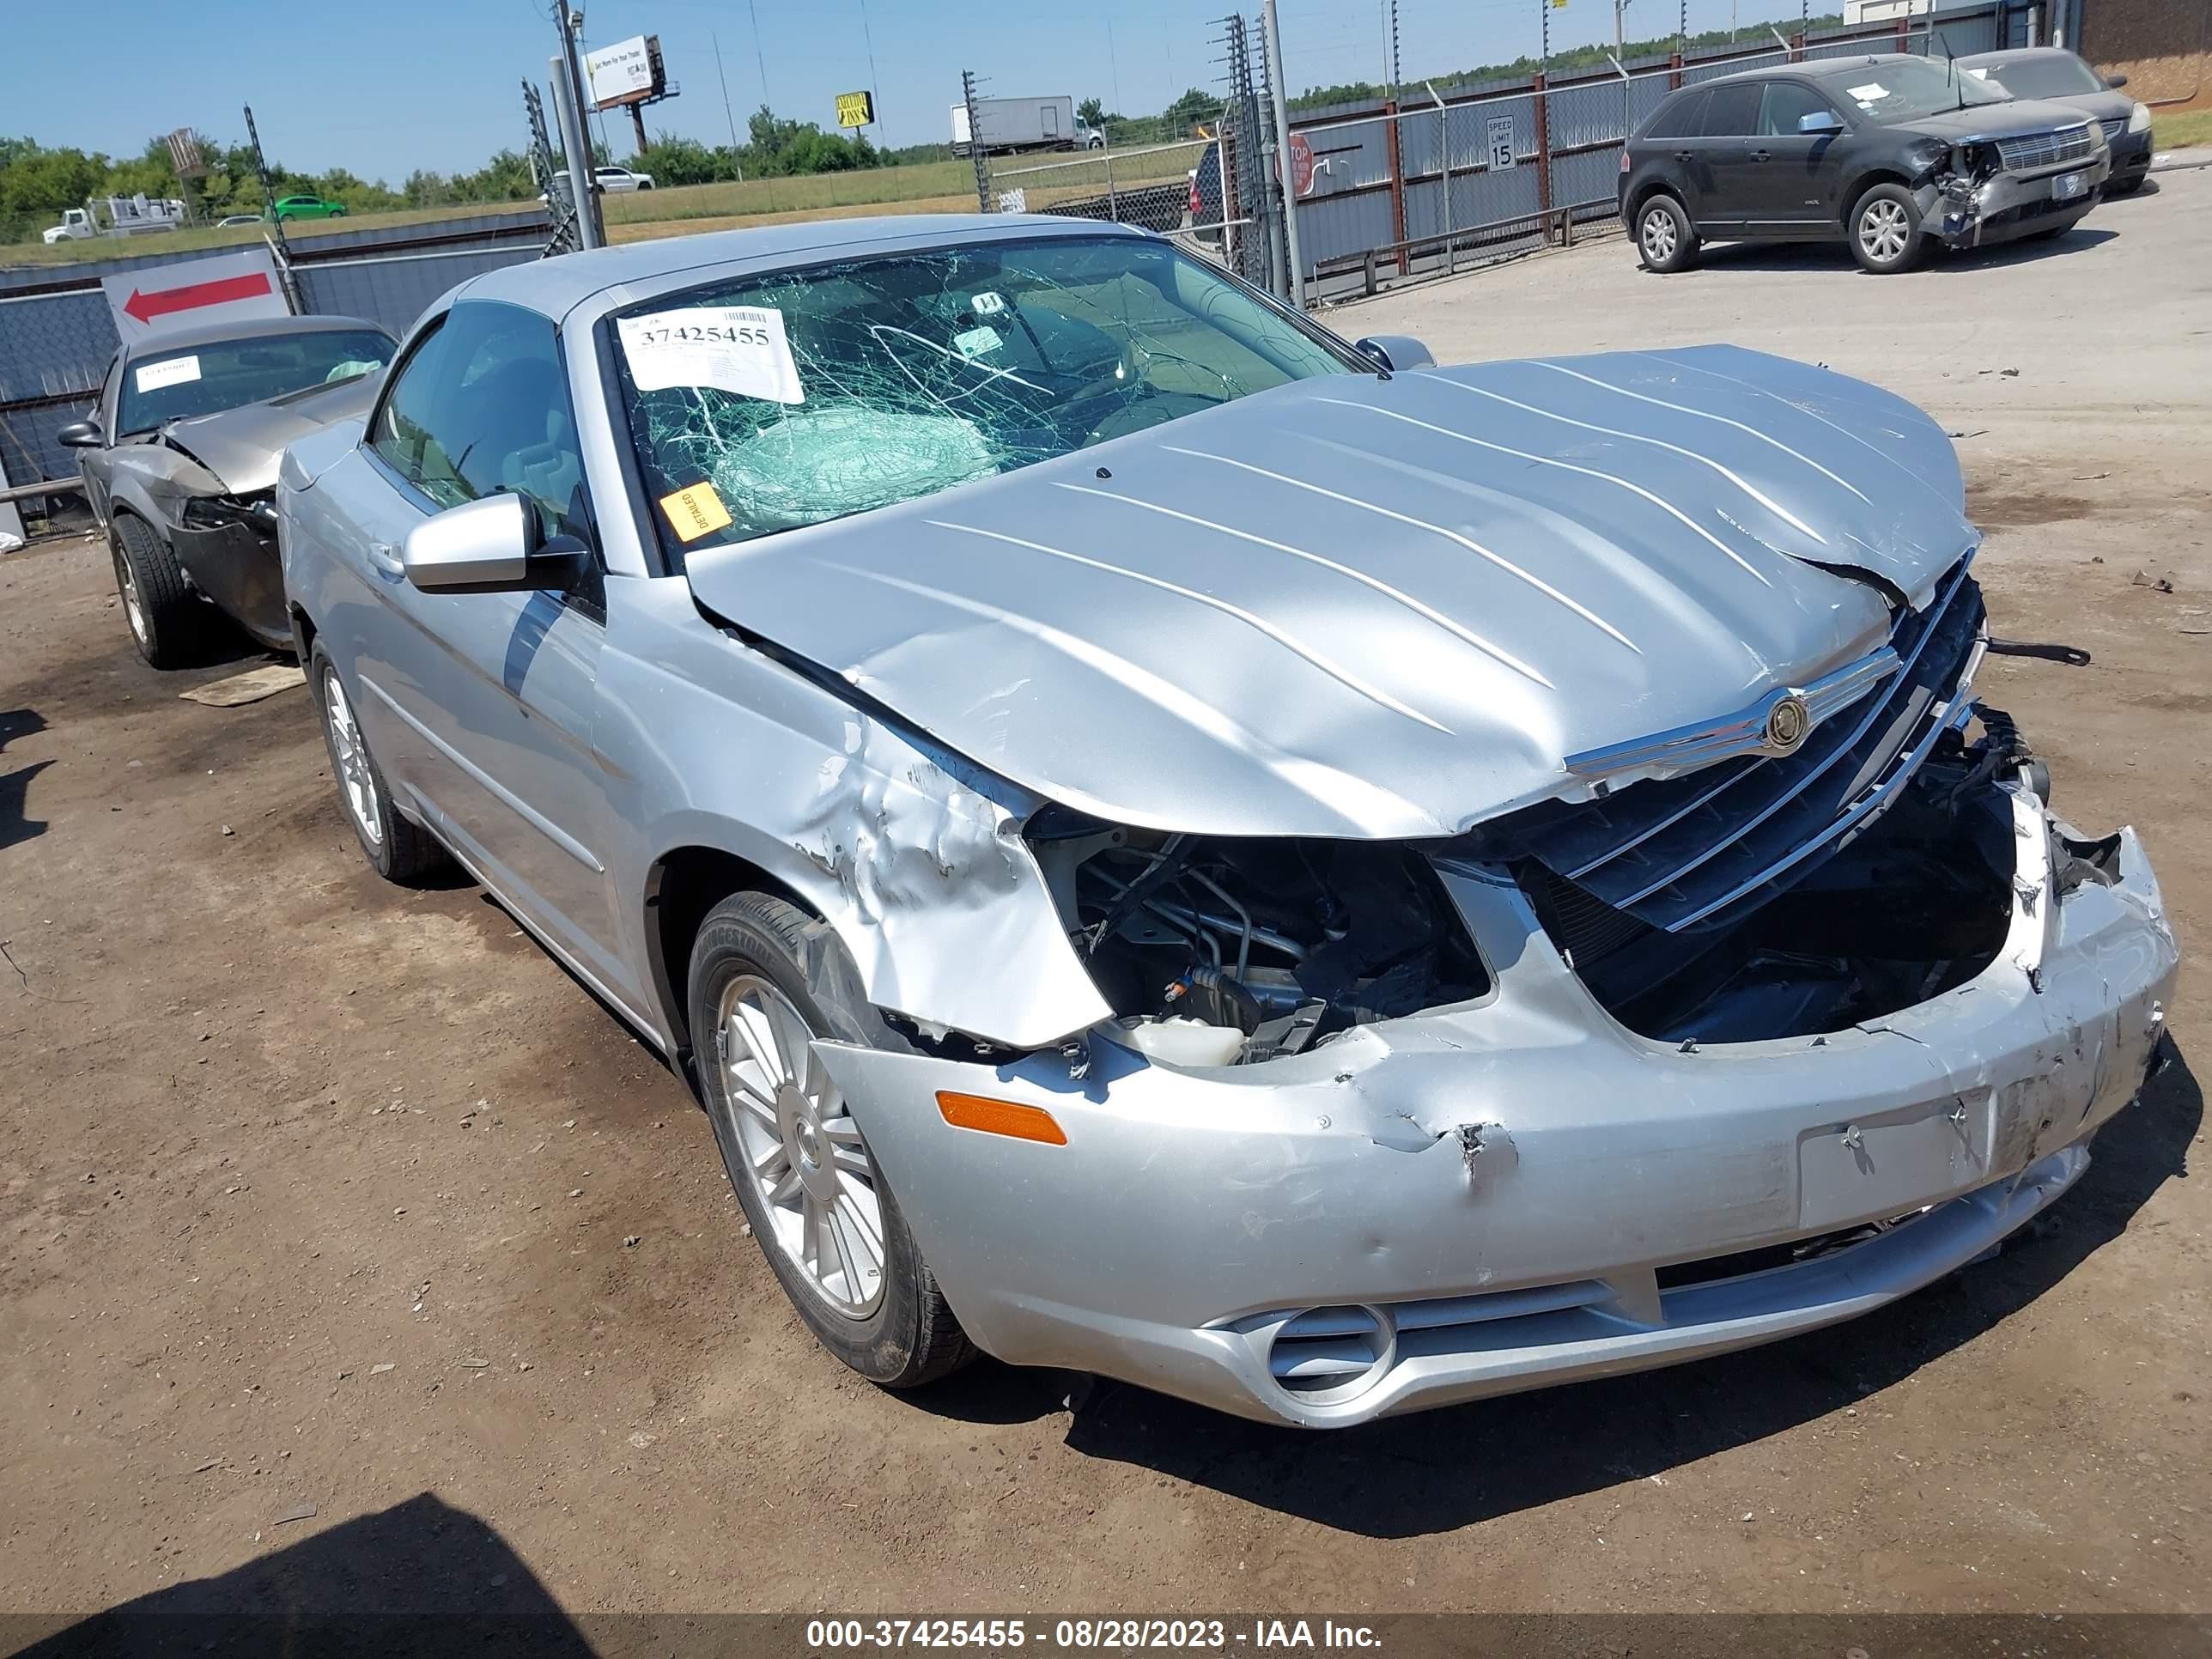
(173, 371)
(740, 349)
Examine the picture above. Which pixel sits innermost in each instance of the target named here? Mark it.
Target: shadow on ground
(1813, 255)
(1442, 1470)
(15, 786)
(419, 1577)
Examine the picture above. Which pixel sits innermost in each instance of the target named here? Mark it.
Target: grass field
(933, 187)
(2173, 131)
(165, 241)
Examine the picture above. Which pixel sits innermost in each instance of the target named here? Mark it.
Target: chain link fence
(1210, 189)
(1440, 177)
(1458, 174)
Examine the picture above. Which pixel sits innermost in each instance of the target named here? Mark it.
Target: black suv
(1882, 153)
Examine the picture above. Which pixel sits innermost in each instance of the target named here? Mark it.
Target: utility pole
(1283, 179)
(568, 110)
(875, 91)
(729, 115)
(760, 55)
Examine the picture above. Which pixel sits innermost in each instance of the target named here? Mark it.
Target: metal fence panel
(393, 290)
(55, 345)
(53, 349)
(1361, 221)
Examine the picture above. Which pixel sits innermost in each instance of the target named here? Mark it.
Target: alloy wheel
(1659, 235)
(801, 1151)
(1884, 230)
(126, 584)
(355, 778)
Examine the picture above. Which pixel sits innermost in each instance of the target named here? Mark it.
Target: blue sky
(385, 88)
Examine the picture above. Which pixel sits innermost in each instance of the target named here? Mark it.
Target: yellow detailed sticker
(694, 512)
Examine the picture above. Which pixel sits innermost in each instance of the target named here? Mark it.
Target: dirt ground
(337, 1212)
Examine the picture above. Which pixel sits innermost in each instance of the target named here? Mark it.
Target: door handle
(1686, 155)
(385, 557)
(1761, 156)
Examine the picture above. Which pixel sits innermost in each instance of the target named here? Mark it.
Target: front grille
(2037, 150)
(1702, 850)
(2114, 125)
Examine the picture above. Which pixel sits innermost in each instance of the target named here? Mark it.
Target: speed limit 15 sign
(1503, 152)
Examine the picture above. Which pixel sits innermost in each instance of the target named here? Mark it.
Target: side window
(1733, 111)
(483, 406)
(1681, 118)
(1786, 103)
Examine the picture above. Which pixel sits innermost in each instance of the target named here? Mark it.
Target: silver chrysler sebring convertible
(1171, 846)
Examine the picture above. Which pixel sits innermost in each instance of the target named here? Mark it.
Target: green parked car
(307, 207)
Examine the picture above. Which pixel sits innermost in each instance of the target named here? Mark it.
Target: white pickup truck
(126, 215)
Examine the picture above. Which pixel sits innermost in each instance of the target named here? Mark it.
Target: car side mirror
(1394, 353)
(1819, 123)
(486, 546)
(82, 434)
(2115, 81)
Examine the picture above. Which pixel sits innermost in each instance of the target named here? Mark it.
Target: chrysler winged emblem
(1787, 723)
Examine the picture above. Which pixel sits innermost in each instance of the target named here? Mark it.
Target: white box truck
(1012, 124)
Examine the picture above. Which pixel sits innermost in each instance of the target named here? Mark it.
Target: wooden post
(1397, 185)
(1543, 156)
(1675, 72)
(1797, 47)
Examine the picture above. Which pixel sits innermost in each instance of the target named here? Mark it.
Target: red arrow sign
(191, 296)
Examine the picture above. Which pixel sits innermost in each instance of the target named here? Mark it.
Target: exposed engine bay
(1217, 951)
(1214, 951)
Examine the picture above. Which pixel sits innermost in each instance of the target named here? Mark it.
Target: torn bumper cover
(1963, 214)
(1518, 1191)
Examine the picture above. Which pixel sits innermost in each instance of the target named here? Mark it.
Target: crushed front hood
(1368, 608)
(241, 446)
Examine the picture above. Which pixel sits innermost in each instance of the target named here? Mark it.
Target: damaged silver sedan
(1171, 845)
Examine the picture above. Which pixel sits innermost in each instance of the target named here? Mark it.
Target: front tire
(765, 980)
(1665, 239)
(399, 850)
(169, 623)
(1884, 232)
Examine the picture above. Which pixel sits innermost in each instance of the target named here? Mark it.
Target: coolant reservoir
(1188, 1042)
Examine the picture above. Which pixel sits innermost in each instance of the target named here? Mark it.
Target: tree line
(38, 182)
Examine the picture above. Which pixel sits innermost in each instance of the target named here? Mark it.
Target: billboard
(628, 72)
(855, 109)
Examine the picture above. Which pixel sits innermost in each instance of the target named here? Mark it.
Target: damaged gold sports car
(1170, 845)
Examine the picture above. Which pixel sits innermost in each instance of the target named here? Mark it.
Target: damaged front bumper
(1518, 1191)
(1962, 213)
(236, 566)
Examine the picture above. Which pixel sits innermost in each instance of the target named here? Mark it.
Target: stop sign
(1301, 166)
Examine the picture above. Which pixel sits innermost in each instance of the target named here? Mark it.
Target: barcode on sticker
(739, 348)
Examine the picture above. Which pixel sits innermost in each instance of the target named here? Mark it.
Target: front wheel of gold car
(169, 623)
(766, 980)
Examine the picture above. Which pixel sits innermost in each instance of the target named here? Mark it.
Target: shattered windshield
(774, 401)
